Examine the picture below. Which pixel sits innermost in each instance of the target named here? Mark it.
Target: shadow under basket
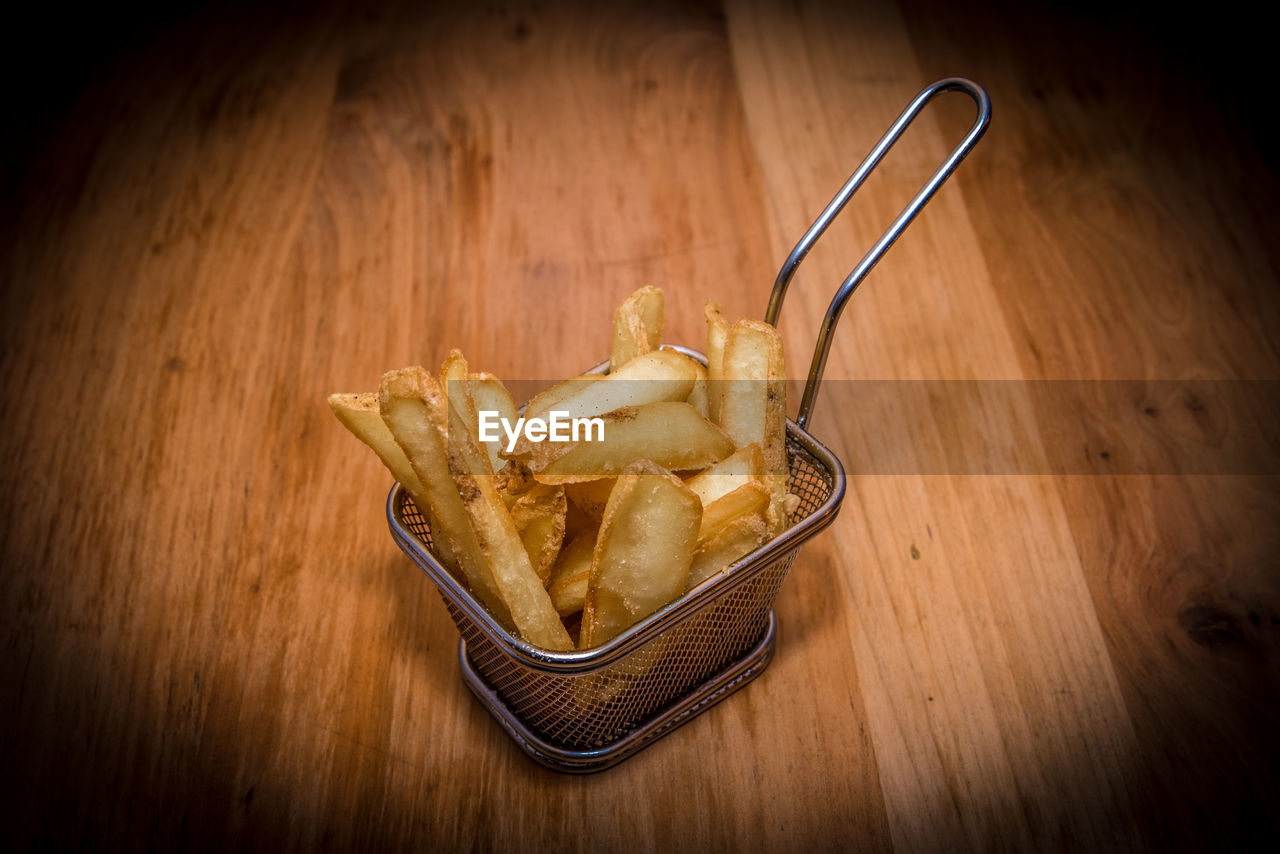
(586, 710)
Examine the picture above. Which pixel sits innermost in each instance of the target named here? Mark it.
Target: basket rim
(665, 618)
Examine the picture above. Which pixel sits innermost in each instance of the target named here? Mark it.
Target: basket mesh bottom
(591, 710)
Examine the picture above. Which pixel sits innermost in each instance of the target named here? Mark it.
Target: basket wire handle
(823, 346)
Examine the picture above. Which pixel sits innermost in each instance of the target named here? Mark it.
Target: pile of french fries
(568, 543)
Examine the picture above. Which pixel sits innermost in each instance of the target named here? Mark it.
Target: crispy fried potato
(734, 540)
(671, 434)
(641, 560)
(585, 537)
(656, 376)
(359, 414)
(549, 398)
(572, 572)
(699, 395)
(411, 404)
(414, 408)
(489, 394)
(539, 515)
(753, 406)
(637, 326)
(513, 572)
(717, 332)
(454, 382)
(742, 466)
(750, 499)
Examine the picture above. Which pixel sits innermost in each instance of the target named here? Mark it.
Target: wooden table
(208, 638)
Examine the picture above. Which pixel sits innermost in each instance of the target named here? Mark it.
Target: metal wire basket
(586, 710)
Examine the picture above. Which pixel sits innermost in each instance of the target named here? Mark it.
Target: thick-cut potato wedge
(415, 409)
(637, 326)
(539, 515)
(641, 560)
(750, 499)
(591, 496)
(732, 542)
(549, 398)
(656, 376)
(742, 466)
(699, 395)
(572, 572)
(513, 572)
(455, 383)
(672, 434)
(359, 414)
(753, 406)
(411, 404)
(489, 394)
(717, 332)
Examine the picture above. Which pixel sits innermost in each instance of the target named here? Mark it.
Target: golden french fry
(359, 414)
(733, 541)
(641, 560)
(717, 332)
(753, 405)
(699, 395)
(750, 499)
(539, 515)
(572, 572)
(656, 376)
(671, 434)
(637, 326)
(549, 398)
(411, 405)
(490, 395)
(513, 573)
(454, 382)
(742, 466)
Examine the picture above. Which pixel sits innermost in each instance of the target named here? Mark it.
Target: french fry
(637, 326)
(742, 466)
(359, 414)
(753, 405)
(539, 516)
(411, 404)
(733, 541)
(572, 572)
(750, 499)
(489, 394)
(549, 398)
(699, 395)
(521, 588)
(671, 434)
(642, 557)
(717, 332)
(586, 536)
(656, 376)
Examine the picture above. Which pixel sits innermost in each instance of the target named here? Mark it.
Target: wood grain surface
(209, 640)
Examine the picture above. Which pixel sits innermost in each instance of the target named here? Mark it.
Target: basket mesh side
(594, 709)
